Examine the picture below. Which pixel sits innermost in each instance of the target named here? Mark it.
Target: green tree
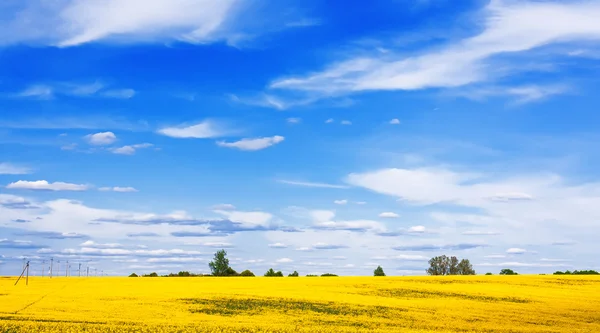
(133, 275)
(246, 273)
(439, 265)
(464, 267)
(508, 271)
(295, 274)
(328, 274)
(378, 271)
(453, 266)
(488, 273)
(231, 272)
(270, 272)
(220, 264)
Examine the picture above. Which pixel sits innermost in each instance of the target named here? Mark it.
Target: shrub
(328, 274)
(295, 274)
(311, 275)
(153, 274)
(133, 275)
(488, 273)
(508, 271)
(246, 273)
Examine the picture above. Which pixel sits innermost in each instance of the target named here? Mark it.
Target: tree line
(440, 265)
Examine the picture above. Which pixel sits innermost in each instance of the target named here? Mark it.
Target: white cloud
(204, 130)
(323, 219)
(395, 121)
(130, 149)
(247, 219)
(311, 184)
(294, 120)
(284, 260)
(101, 139)
(509, 27)
(346, 122)
(515, 250)
(118, 189)
(417, 229)
(340, 202)
(361, 202)
(95, 89)
(252, 144)
(224, 207)
(71, 23)
(44, 185)
(278, 246)
(329, 121)
(92, 244)
(119, 93)
(218, 245)
(389, 215)
(11, 169)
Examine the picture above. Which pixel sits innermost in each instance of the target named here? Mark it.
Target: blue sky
(317, 136)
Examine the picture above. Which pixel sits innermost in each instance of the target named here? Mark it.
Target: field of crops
(305, 304)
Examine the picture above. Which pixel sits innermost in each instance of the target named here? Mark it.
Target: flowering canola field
(304, 304)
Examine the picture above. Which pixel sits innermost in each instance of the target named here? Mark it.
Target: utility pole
(25, 269)
(79, 269)
(67, 269)
(96, 272)
(88, 271)
(51, 262)
(58, 270)
(43, 267)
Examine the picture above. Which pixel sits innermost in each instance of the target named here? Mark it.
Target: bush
(311, 275)
(328, 274)
(153, 274)
(508, 271)
(246, 273)
(133, 275)
(488, 273)
(231, 272)
(295, 274)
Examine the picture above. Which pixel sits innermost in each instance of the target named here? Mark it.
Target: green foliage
(220, 264)
(443, 265)
(488, 273)
(311, 275)
(378, 271)
(295, 274)
(465, 268)
(271, 273)
(133, 275)
(153, 274)
(576, 272)
(508, 271)
(231, 272)
(246, 273)
(328, 274)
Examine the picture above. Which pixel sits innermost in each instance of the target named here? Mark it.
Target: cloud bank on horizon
(299, 136)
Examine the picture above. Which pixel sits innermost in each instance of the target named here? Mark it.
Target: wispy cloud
(12, 169)
(117, 189)
(130, 149)
(44, 185)
(311, 184)
(252, 144)
(52, 90)
(509, 27)
(203, 130)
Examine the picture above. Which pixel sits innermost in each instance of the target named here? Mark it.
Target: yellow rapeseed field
(304, 304)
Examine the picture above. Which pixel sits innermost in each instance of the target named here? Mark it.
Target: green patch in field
(413, 293)
(257, 306)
